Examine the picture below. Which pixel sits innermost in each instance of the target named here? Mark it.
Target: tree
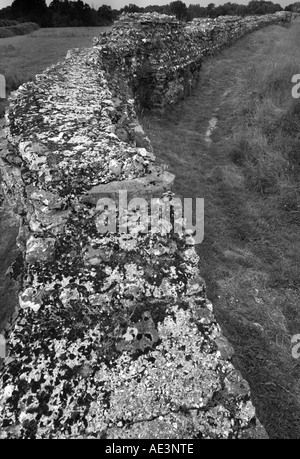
(196, 11)
(241, 10)
(211, 10)
(30, 10)
(105, 14)
(6, 13)
(263, 7)
(66, 13)
(179, 9)
(131, 8)
(293, 7)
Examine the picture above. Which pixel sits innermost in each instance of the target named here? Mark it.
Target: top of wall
(142, 20)
(135, 31)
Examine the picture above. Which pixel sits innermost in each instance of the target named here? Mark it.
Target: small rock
(122, 134)
(115, 167)
(38, 249)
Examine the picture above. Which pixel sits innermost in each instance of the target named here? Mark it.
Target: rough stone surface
(150, 186)
(162, 57)
(113, 336)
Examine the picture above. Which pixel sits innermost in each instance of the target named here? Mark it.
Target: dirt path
(240, 251)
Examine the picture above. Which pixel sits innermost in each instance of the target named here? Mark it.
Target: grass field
(248, 174)
(22, 57)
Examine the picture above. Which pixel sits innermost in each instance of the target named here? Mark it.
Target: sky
(117, 4)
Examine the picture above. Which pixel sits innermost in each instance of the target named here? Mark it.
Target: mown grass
(21, 58)
(249, 178)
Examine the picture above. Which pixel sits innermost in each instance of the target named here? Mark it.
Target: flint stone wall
(113, 336)
(161, 57)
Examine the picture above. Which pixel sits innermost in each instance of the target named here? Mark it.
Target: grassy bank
(248, 174)
(267, 136)
(21, 58)
(18, 29)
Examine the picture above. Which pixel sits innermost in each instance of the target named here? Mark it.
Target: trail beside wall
(113, 336)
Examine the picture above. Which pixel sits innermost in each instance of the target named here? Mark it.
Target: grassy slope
(247, 175)
(22, 57)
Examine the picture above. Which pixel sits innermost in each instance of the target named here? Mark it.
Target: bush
(7, 22)
(18, 29)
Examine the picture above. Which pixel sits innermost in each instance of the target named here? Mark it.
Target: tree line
(60, 13)
(65, 13)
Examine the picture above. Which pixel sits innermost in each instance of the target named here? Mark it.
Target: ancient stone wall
(113, 336)
(162, 57)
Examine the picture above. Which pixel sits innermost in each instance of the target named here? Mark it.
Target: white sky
(117, 4)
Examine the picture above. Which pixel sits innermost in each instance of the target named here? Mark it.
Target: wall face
(113, 336)
(162, 57)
